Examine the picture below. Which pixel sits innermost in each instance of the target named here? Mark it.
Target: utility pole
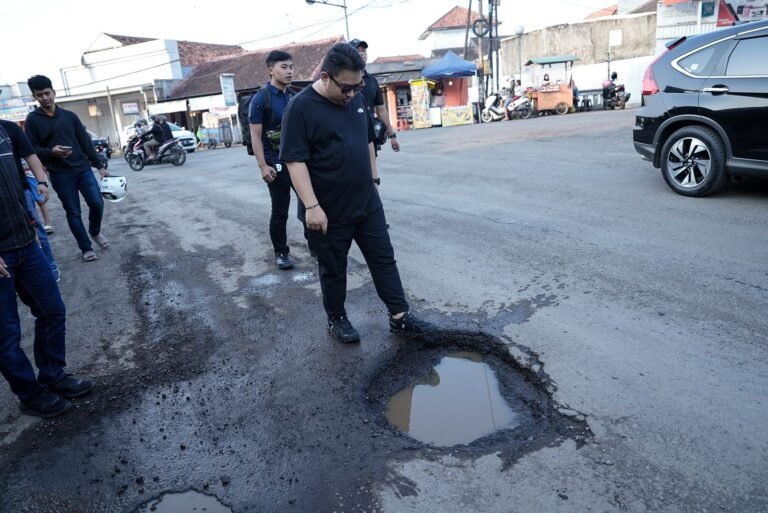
(481, 53)
(466, 35)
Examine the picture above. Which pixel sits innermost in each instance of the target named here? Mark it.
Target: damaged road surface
(602, 343)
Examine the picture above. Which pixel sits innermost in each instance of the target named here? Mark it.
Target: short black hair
(342, 57)
(277, 56)
(39, 83)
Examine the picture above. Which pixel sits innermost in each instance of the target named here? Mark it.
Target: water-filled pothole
(456, 402)
(187, 502)
(464, 391)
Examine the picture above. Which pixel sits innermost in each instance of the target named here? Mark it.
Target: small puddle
(457, 402)
(187, 502)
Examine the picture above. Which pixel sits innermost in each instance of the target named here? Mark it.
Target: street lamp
(519, 31)
(343, 5)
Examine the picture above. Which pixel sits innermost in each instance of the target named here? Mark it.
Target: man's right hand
(268, 173)
(4, 270)
(316, 220)
(61, 151)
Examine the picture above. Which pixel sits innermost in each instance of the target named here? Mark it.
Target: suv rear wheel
(693, 161)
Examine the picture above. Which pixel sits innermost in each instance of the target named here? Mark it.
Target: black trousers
(280, 192)
(372, 238)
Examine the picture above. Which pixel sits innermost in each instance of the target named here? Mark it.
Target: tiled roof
(650, 6)
(605, 11)
(398, 58)
(250, 69)
(455, 18)
(191, 53)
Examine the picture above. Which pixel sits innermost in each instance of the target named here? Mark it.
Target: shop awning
(552, 60)
(394, 78)
(451, 65)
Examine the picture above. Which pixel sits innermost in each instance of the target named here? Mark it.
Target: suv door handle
(716, 90)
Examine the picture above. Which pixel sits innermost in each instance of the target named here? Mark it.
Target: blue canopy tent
(450, 66)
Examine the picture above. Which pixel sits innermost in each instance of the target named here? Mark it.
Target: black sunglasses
(347, 88)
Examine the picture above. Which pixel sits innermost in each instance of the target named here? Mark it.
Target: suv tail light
(649, 81)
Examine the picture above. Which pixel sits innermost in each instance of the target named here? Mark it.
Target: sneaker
(48, 229)
(45, 404)
(57, 275)
(283, 261)
(70, 387)
(410, 324)
(342, 330)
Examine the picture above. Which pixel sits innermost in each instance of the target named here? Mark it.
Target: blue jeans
(45, 245)
(32, 278)
(67, 185)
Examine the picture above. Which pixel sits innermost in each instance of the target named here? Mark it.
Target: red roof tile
(250, 69)
(605, 11)
(398, 58)
(190, 52)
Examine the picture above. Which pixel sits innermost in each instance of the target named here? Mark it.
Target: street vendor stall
(551, 76)
(449, 97)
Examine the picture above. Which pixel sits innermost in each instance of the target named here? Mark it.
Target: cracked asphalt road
(549, 241)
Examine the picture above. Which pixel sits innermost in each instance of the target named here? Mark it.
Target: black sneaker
(283, 261)
(70, 387)
(45, 405)
(342, 330)
(410, 324)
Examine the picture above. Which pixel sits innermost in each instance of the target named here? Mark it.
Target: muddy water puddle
(457, 402)
(187, 502)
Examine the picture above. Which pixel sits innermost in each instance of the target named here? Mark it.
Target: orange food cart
(551, 76)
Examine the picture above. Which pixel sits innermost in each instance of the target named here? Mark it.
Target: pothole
(186, 502)
(456, 402)
(466, 390)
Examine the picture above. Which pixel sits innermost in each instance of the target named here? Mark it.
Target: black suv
(704, 114)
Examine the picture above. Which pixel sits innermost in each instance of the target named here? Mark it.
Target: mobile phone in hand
(67, 148)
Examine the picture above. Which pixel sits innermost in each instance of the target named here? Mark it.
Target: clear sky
(46, 35)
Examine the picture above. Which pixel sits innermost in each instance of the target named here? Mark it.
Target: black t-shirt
(372, 92)
(16, 230)
(332, 140)
(22, 148)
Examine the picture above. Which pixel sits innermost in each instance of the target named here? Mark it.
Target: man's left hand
(395, 144)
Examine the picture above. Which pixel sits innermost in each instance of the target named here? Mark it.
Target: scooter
(614, 95)
(493, 109)
(520, 107)
(170, 152)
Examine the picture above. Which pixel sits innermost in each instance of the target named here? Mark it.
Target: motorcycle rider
(157, 138)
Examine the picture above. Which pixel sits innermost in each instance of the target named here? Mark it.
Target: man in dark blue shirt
(265, 117)
(60, 140)
(24, 270)
(327, 145)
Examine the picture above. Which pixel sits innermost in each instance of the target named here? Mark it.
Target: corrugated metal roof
(394, 78)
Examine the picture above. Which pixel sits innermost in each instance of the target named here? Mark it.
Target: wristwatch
(43, 183)
(377, 181)
(393, 136)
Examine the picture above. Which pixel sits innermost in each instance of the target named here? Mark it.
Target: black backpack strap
(267, 107)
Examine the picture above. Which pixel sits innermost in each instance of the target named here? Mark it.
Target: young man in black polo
(327, 145)
(60, 140)
(264, 129)
(26, 272)
(374, 98)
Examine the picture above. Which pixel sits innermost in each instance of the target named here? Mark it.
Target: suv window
(698, 62)
(748, 58)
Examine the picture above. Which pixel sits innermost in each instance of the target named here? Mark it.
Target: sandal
(89, 256)
(48, 229)
(101, 241)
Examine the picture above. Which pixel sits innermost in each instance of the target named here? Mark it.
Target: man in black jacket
(24, 270)
(65, 149)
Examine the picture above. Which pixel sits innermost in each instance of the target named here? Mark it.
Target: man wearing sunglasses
(327, 146)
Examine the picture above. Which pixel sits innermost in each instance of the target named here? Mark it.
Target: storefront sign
(453, 116)
(420, 103)
(228, 89)
(167, 107)
(206, 102)
(130, 108)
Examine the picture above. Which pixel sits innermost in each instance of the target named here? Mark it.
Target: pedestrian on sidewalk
(327, 146)
(265, 117)
(63, 145)
(24, 270)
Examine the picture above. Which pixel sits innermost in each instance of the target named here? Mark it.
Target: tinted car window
(749, 58)
(697, 63)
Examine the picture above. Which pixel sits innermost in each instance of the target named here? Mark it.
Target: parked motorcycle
(520, 108)
(170, 152)
(103, 154)
(493, 109)
(614, 95)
